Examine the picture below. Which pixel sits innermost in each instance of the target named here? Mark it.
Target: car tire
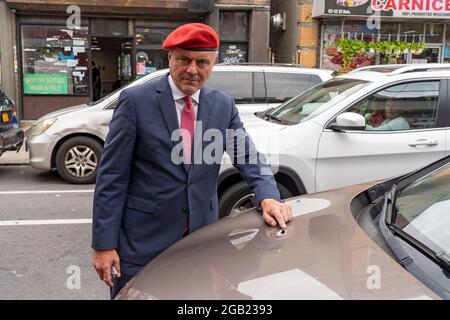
(239, 194)
(77, 160)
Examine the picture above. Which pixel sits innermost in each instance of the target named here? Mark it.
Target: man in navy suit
(152, 189)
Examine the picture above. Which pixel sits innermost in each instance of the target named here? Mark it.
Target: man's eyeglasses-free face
(201, 63)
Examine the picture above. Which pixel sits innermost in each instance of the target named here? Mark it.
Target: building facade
(297, 41)
(313, 27)
(48, 47)
(396, 22)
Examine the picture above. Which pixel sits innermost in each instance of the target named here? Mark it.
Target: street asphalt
(45, 234)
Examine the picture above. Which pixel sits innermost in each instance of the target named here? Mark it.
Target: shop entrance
(113, 58)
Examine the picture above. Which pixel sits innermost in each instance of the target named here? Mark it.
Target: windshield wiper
(391, 213)
(272, 117)
(439, 257)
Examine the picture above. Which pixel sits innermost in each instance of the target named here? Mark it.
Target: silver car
(71, 140)
(380, 240)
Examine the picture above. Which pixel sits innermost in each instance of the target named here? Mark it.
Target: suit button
(185, 211)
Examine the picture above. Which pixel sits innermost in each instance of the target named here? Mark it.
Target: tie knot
(188, 102)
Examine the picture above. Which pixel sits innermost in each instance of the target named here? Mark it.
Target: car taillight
(13, 107)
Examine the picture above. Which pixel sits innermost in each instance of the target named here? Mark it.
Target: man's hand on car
(275, 212)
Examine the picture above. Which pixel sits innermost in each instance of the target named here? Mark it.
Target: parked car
(71, 140)
(11, 136)
(379, 240)
(319, 140)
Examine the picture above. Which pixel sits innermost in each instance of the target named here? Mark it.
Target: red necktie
(188, 124)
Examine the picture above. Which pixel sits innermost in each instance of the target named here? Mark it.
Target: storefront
(53, 60)
(56, 61)
(408, 31)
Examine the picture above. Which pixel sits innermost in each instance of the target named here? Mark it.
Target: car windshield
(316, 100)
(131, 84)
(93, 103)
(423, 209)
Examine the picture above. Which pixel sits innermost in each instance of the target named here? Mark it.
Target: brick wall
(308, 36)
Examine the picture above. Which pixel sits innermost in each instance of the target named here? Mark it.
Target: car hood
(256, 125)
(64, 111)
(324, 254)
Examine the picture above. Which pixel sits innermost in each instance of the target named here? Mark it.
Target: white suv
(370, 124)
(60, 139)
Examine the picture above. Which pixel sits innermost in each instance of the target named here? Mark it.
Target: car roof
(391, 73)
(280, 68)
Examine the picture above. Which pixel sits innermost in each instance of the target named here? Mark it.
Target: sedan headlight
(40, 127)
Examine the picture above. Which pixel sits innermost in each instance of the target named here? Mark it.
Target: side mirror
(349, 121)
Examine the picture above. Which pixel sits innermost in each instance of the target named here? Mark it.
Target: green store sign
(45, 84)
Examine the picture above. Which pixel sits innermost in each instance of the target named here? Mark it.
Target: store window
(434, 32)
(55, 60)
(150, 55)
(332, 58)
(447, 44)
(389, 31)
(411, 32)
(233, 31)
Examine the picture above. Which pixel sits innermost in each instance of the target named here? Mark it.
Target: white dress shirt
(178, 97)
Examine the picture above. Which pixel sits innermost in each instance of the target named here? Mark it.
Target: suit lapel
(204, 108)
(168, 109)
(167, 106)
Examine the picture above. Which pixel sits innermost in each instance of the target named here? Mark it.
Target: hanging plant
(355, 52)
(349, 49)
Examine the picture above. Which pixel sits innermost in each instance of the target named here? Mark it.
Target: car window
(236, 84)
(406, 106)
(423, 209)
(317, 100)
(113, 104)
(283, 86)
(315, 80)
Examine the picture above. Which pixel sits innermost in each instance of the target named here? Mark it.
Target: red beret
(193, 36)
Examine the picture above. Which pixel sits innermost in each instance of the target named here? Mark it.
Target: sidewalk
(16, 158)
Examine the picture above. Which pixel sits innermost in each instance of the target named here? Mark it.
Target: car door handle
(424, 143)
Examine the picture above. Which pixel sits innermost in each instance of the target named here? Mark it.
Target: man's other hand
(275, 212)
(103, 262)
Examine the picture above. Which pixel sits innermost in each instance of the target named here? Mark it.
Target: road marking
(44, 222)
(46, 192)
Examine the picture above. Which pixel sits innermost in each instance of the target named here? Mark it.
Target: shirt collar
(178, 94)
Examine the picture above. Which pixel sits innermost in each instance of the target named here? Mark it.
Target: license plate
(5, 117)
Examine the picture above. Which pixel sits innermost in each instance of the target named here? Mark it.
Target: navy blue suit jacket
(142, 197)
